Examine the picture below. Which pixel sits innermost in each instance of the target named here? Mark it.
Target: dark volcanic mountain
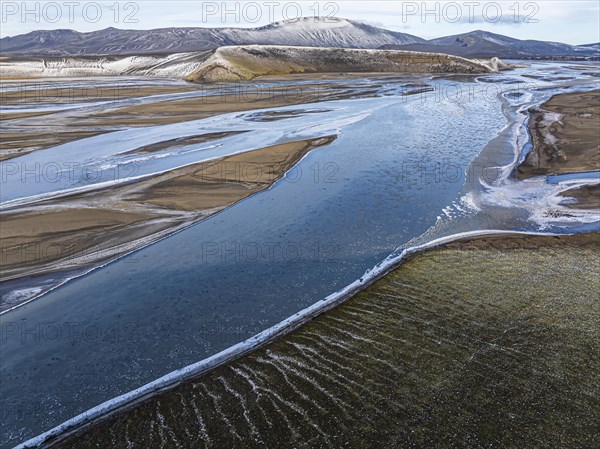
(483, 44)
(308, 31)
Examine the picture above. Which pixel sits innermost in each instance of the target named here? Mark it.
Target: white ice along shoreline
(109, 148)
(285, 327)
(544, 202)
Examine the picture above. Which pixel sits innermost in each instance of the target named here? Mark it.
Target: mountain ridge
(306, 31)
(341, 33)
(481, 44)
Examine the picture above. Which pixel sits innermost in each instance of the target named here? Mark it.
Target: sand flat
(24, 136)
(566, 135)
(587, 197)
(86, 229)
(31, 92)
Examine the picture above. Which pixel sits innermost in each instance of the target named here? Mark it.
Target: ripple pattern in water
(460, 347)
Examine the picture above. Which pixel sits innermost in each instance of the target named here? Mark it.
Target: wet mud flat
(487, 342)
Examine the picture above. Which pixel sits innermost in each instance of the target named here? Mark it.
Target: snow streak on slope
(175, 65)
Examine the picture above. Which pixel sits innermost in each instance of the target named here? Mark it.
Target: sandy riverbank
(84, 230)
(21, 136)
(23, 133)
(486, 342)
(566, 136)
(586, 197)
(566, 139)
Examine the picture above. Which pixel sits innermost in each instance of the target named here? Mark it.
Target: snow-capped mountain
(485, 44)
(320, 32)
(473, 38)
(595, 46)
(307, 31)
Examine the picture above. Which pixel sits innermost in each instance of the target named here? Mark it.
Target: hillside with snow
(177, 65)
(485, 44)
(307, 31)
(242, 63)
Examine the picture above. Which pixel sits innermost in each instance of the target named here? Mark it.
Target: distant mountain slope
(474, 38)
(485, 44)
(308, 31)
